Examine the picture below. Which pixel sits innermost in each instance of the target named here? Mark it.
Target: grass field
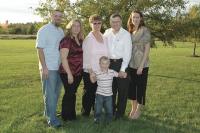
(173, 95)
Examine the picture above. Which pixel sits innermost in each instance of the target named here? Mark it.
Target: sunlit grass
(172, 104)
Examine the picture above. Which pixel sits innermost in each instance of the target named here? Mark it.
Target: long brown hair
(130, 25)
(69, 29)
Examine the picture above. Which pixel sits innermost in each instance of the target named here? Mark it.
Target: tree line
(21, 28)
(168, 20)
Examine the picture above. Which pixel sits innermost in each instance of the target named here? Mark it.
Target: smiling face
(76, 28)
(104, 64)
(56, 18)
(136, 18)
(115, 23)
(96, 25)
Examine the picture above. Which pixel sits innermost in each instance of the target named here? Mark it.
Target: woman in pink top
(94, 46)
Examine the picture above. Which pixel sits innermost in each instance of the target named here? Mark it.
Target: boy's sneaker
(55, 124)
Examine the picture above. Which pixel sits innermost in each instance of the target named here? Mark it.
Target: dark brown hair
(56, 10)
(116, 15)
(130, 25)
(94, 17)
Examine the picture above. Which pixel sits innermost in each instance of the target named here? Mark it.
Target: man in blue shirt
(47, 44)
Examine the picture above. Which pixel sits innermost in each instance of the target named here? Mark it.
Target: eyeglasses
(96, 23)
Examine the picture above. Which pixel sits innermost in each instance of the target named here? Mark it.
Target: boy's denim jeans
(51, 90)
(106, 103)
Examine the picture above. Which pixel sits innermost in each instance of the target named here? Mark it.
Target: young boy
(103, 99)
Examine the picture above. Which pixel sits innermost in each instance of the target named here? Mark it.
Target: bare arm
(41, 57)
(64, 54)
(146, 54)
(144, 58)
(146, 39)
(87, 54)
(93, 77)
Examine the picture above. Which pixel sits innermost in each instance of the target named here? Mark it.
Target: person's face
(136, 19)
(104, 65)
(76, 28)
(96, 25)
(115, 23)
(57, 18)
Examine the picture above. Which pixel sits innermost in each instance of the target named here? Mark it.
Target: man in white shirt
(120, 47)
(47, 44)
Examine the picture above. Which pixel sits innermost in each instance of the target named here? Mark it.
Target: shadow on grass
(171, 77)
(166, 126)
(146, 124)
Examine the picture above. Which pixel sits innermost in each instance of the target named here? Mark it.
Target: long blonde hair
(69, 29)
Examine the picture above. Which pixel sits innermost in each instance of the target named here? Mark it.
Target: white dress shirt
(119, 46)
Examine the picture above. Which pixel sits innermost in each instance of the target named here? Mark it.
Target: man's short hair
(56, 10)
(114, 15)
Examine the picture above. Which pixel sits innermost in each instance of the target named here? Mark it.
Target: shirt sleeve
(87, 48)
(147, 36)
(65, 43)
(63, 34)
(127, 52)
(41, 39)
(105, 33)
(107, 48)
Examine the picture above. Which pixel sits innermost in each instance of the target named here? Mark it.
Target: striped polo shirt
(104, 82)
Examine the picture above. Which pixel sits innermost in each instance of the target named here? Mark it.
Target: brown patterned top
(139, 39)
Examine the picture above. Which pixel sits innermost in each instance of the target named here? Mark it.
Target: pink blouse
(92, 51)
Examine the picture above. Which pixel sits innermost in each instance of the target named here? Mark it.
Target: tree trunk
(195, 43)
(194, 50)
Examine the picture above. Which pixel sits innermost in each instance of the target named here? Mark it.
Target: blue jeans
(51, 90)
(103, 102)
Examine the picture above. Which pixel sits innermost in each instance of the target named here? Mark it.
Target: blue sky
(21, 11)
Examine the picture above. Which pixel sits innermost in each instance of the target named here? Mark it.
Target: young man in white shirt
(47, 44)
(120, 47)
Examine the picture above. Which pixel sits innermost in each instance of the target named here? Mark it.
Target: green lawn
(173, 95)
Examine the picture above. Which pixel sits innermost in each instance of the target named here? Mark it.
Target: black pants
(137, 90)
(69, 98)
(88, 97)
(120, 90)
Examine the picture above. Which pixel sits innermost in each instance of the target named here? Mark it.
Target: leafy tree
(188, 26)
(21, 28)
(47, 6)
(194, 25)
(1, 30)
(31, 28)
(159, 14)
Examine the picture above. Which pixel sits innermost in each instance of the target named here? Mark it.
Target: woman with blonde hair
(139, 64)
(71, 67)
